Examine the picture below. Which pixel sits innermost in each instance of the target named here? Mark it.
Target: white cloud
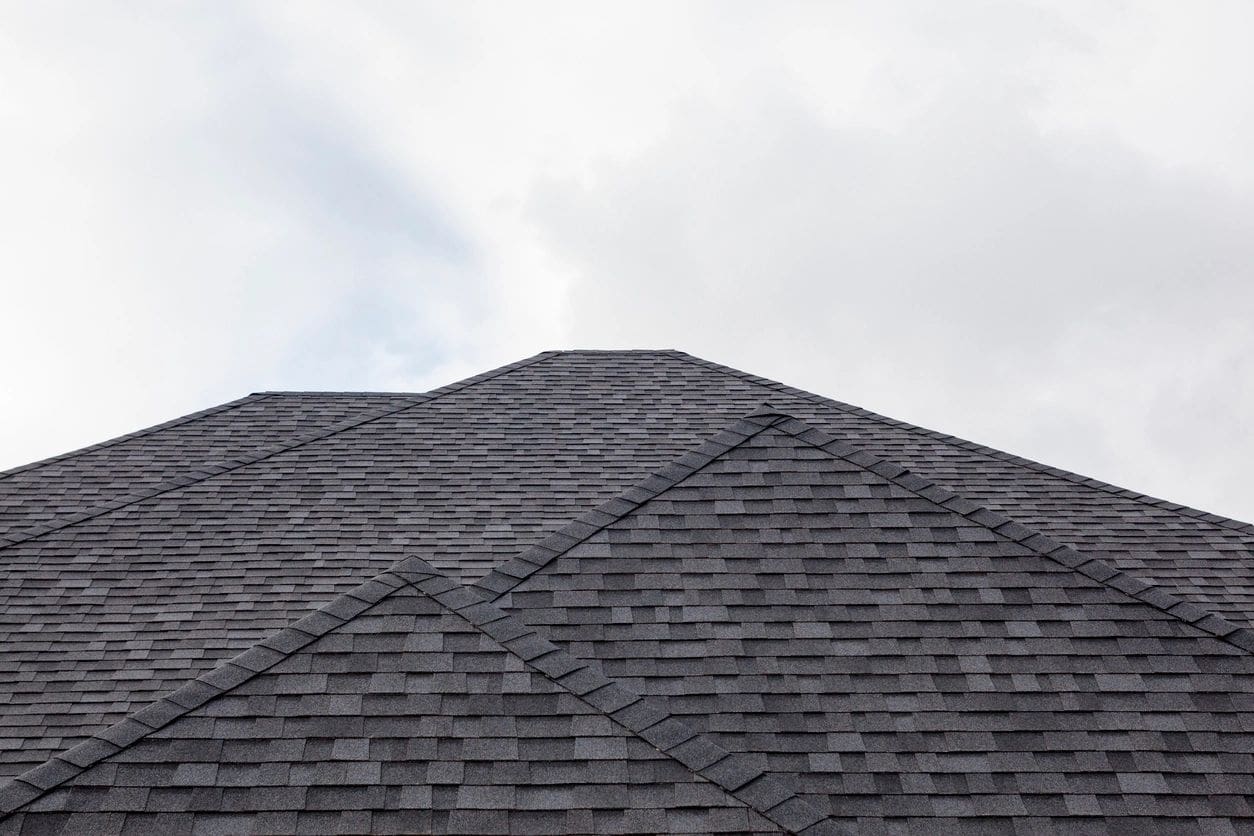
(1025, 223)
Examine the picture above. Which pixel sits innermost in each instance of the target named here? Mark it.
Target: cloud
(1025, 223)
(1060, 294)
(188, 221)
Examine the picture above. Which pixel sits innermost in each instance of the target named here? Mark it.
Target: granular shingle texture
(979, 641)
(55, 490)
(405, 717)
(904, 665)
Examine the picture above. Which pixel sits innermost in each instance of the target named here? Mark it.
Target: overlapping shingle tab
(58, 491)
(901, 655)
(907, 658)
(406, 705)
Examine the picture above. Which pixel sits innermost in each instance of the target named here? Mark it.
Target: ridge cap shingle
(506, 577)
(696, 752)
(1095, 568)
(22, 789)
(211, 469)
(1217, 520)
(510, 574)
(649, 721)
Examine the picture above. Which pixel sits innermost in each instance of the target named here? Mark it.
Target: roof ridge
(1217, 520)
(508, 575)
(642, 717)
(503, 579)
(230, 674)
(210, 470)
(155, 428)
(1103, 572)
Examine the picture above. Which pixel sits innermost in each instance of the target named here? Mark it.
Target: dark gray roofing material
(1205, 557)
(900, 653)
(117, 605)
(220, 532)
(66, 489)
(983, 450)
(407, 704)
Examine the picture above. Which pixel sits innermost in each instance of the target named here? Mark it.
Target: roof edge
(505, 578)
(155, 428)
(323, 393)
(208, 471)
(1102, 571)
(37, 781)
(641, 717)
(975, 447)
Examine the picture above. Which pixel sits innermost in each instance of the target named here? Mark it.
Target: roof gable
(139, 564)
(903, 655)
(408, 704)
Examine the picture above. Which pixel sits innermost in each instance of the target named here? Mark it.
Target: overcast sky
(1029, 224)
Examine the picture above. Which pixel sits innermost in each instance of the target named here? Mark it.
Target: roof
(905, 658)
(407, 704)
(1020, 646)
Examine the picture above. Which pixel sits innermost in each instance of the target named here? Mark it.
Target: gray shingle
(979, 671)
(246, 546)
(780, 592)
(497, 781)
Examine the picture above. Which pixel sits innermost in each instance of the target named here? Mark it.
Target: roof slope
(906, 658)
(408, 705)
(136, 565)
(64, 487)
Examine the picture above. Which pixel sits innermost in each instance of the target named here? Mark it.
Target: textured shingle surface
(899, 662)
(54, 490)
(397, 714)
(137, 565)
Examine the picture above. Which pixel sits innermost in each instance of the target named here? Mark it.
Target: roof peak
(503, 579)
(1217, 520)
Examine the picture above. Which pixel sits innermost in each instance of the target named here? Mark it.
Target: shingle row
(101, 616)
(46, 495)
(417, 706)
(903, 655)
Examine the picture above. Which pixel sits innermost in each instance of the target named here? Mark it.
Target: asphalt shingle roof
(58, 491)
(408, 704)
(841, 623)
(908, 659)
